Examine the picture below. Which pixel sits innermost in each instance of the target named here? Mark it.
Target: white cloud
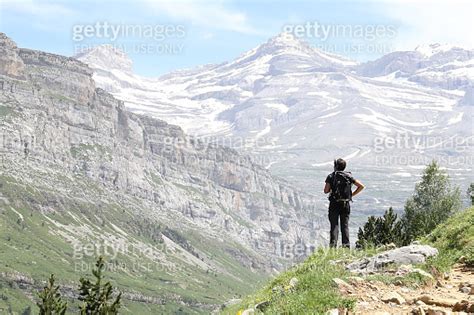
(207, 35)
(424, 22)
(212, 14)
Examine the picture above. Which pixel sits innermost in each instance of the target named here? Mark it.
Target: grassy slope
(316, 293)
(30, 244)
(454, 238)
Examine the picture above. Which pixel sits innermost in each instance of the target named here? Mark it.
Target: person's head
(339, 165)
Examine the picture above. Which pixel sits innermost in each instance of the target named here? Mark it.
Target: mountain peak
(286, 39)
(429, 50)
(106, 57)
(288, 44)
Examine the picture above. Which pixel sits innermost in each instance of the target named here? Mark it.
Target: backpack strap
(333, 183)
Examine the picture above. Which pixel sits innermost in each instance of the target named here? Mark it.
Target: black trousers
(339, 212)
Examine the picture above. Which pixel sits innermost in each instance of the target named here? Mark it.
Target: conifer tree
(51, 302)
(433, 201)
(97, 296)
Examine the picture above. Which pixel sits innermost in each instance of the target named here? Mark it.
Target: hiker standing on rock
(339, 185)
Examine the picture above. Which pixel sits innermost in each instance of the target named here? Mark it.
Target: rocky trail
(448, 293)
(453, 294)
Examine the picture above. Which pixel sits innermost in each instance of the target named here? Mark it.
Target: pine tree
(97, 297)
(433, 201)
(380, 230)
(51, 302)
(470, 193)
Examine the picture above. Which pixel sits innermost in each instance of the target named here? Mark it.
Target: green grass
(315, 292)
(411, 280)
(453, 239)
(30, 244)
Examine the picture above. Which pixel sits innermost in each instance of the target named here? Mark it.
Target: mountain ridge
(78, 170)
(287, 106)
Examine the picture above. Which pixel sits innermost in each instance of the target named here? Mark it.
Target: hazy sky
(161, 36)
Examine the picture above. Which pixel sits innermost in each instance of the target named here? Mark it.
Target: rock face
(10, 63)
(67, 122)
(432, 65)
(92, 173)
(296, 108)
(412, 254)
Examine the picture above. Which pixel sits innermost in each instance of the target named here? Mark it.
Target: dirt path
(443, 296)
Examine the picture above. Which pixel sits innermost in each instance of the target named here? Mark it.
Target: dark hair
(339, 164)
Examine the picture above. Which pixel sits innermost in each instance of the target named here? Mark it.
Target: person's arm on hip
(359, 188)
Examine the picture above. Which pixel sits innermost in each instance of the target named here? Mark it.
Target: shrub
(50, 300)
(470, 193)
(432, 203)
(97, 296)
(380, 230)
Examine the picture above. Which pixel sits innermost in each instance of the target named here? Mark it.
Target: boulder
(418, 311)
(466, 290)
(293, 282)
(412, 254)
(436, 311)
(262, 305)
(343, 286)
(393, 297)
(356, 280)
(438, 301)
(462, 306)
(337, 311)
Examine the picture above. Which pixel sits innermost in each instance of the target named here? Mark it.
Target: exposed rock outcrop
(412, 254)
(57, 119)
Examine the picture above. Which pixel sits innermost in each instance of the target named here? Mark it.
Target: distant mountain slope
(183, 224)
(438, 66)
(295, 108)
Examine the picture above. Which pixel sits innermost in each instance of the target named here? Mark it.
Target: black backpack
(341, 186)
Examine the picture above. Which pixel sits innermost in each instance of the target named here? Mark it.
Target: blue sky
(201, 32)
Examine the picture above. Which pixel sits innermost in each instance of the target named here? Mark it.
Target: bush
(432, 203)
(50, 300)
(380, 230)
(97, 296)
(470, 193)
